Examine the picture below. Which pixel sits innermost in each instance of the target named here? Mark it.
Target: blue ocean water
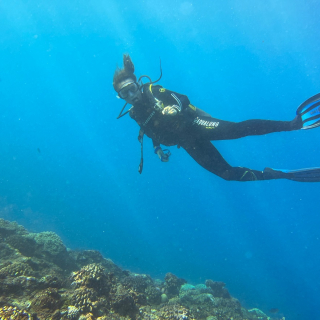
(67, 165)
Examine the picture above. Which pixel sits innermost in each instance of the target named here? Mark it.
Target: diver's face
(129, 91)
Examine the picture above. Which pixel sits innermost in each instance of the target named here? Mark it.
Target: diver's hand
(171, 110)
(164, 157)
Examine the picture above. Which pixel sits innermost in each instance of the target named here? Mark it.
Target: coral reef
(13, 313)
(85, 299)
(46, 302)
(40, 280)
(218, 289)
(73, 312)
(172, 285)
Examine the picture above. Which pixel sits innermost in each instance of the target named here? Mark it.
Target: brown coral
(153, 295)
(13, 313)
(88, 316)
(89, 276)
(7, 228)
(7, 252)
(173, 284)
(123, 302)
(175, 312)
(15, 269)
(85, 299)
(92, 288)
(46, 302)
(144, 288)
(137, 282)
(218, 289)
(17, 285)
(170, 312)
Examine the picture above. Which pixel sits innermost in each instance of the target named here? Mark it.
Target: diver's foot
(309, 112)
(301, 175)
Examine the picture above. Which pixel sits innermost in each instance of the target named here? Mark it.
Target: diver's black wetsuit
(193, 129)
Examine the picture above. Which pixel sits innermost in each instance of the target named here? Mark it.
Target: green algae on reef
(40, 280)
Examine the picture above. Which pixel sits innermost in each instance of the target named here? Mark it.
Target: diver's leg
(209, 158)
(215, 129)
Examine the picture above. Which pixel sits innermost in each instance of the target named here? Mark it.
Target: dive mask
(131, 87)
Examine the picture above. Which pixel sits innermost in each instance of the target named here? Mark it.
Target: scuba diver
(169, 119)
